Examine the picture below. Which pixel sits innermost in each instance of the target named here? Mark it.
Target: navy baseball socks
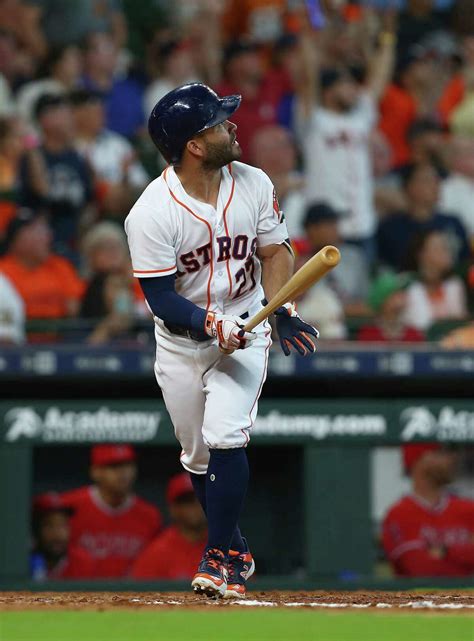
(199, 483)
(221, 493)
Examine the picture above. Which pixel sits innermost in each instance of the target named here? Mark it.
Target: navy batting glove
(294, 332)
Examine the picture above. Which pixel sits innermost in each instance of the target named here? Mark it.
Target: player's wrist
(286, 308)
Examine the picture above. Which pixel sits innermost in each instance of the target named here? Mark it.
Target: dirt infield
(452, 601)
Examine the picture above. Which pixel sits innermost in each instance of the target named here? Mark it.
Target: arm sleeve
(271, 226)
(151, 244)
(172, 308)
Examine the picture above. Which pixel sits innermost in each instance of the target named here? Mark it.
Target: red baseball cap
(179, 485)
(50, 502)
(112, 454)
(414, 451)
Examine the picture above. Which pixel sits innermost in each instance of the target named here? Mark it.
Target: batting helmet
(184, 112)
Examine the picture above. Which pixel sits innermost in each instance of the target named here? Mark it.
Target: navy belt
(194, 334)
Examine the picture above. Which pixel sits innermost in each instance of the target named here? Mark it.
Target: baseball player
(208, 243)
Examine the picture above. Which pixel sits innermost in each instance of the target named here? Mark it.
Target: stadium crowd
(361, 113)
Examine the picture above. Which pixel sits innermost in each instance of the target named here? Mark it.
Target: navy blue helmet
(184, 112)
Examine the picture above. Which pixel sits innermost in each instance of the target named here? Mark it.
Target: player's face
(220, 145)
(187, 512)
(116, 479)
(345, 93)
(54, 534)
(440, 466)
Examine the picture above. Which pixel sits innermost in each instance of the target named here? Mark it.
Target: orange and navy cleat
(240, 568)
(211, 577)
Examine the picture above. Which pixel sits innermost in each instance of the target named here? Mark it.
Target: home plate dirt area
(448, 601)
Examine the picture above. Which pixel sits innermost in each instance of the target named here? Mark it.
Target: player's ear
(195, 146)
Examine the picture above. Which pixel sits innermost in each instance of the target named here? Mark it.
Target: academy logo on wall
(445, 425)
(65, 426)
(319, 426)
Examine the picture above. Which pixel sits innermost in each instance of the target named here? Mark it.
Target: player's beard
(221, 154)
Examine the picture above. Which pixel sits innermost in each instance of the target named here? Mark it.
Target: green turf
(234, 625)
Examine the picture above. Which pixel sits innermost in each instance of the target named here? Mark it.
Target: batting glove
(229, 332)
(294, 332)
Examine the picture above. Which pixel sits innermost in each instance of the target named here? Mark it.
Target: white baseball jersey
(212, 398)
(338, 164)
(212, 251)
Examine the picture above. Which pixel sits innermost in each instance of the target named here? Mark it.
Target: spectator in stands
(60, 74)
(272, 149)
(350, 282)
(427, 144)
(408, 98)
(48, 284)
(396, 232)
(261, 21)
(19, 164)
(111, 295)
(455, 90)
(244, 73)
(176, 551)
(69, 178)
(430, 532)
(175, 66)
(14, 68)
(119, 176)
(436, 294)
(53, 557)
(335, 122)
(68, 22)
(457, 191)
(123, 94)
(22, 19)
(12, 314)
(388, 300)
(109, 521)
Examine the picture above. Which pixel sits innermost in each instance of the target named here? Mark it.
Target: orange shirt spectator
(49, 285)
(450, 98)
(177, 551)
(398, 111)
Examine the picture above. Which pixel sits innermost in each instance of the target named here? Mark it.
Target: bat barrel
(330, 255)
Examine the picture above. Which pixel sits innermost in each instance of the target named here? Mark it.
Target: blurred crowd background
(361, 113)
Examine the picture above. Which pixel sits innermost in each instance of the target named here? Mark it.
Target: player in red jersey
(109, 521)
(176, 552)
(53, 557)
(430, 532)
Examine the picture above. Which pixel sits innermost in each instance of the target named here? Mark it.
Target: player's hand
(229, 332)
(294, 332)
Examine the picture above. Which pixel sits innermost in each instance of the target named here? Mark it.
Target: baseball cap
(179, 485)
(112, 454)
(50, 502)
(49, 101)
(321, 212)
(384, 286)
(414, 451)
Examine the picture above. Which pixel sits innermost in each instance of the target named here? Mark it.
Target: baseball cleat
(211, 577)
(240, 567)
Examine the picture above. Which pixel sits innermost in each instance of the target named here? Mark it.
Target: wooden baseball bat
(312, 271)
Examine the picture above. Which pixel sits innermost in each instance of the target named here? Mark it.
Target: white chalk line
(415, 605)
